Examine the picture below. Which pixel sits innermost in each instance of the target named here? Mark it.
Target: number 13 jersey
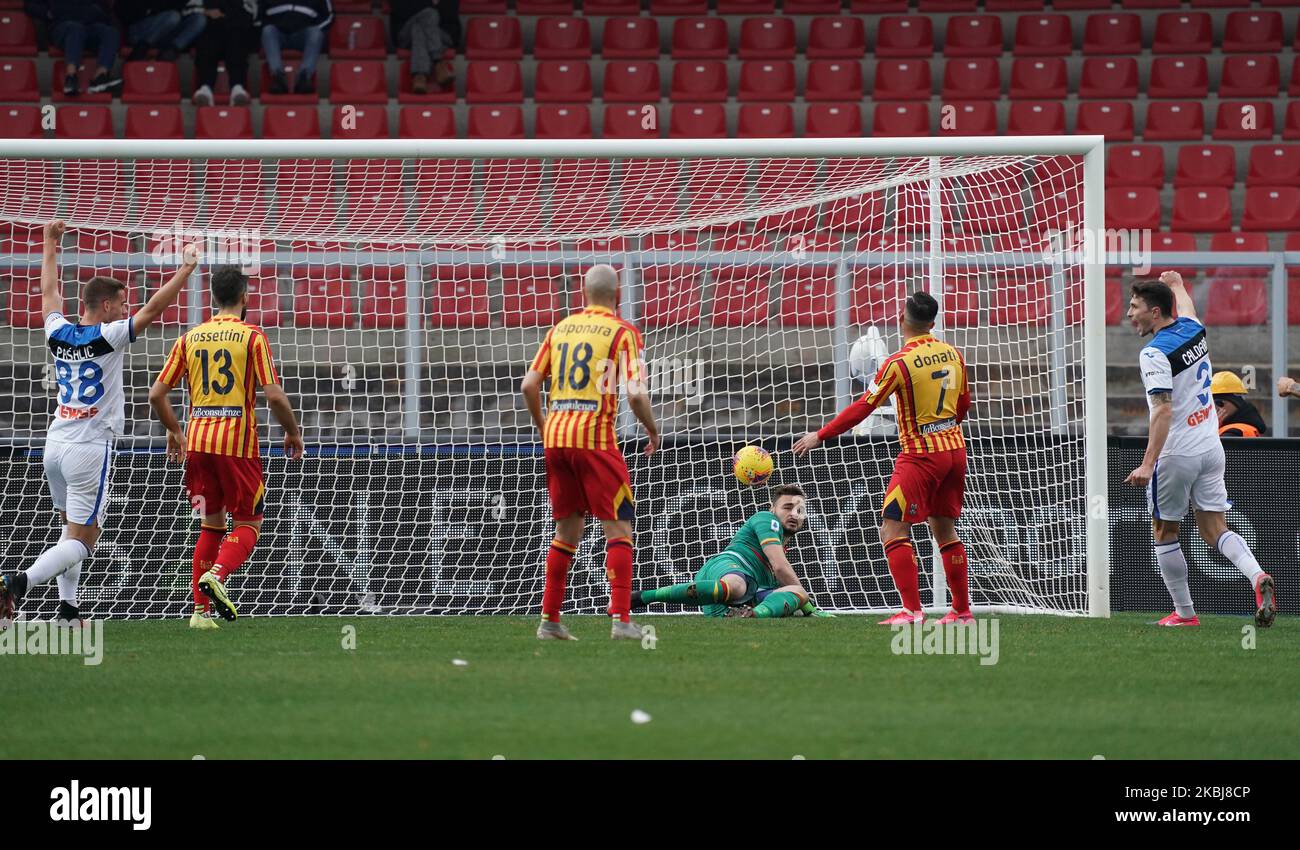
(223, 361)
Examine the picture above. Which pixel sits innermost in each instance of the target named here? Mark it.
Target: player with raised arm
(752, 569)
(223, 361)
(1184, 458)
(931, 387)
(584, 357)
(90, 414)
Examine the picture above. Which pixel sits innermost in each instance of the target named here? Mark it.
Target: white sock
(55, 560)
(1173, 567)
(1236, 550)
(71, 578)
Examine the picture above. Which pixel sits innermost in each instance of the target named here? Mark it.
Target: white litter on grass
(460, 662)
(639, 717)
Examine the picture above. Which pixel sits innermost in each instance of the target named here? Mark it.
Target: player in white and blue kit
(1184, 457)
(89, 413)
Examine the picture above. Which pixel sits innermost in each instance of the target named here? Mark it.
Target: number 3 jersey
(585, 356)
(88, 375)
(223, 361)
(1177, 361)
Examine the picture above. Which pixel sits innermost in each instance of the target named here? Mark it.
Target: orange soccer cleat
(957, 617)
(904, 618)
(1175, 620)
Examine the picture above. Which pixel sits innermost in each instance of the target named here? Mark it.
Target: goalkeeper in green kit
(751, 577)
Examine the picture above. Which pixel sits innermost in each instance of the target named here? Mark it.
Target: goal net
(404, 291)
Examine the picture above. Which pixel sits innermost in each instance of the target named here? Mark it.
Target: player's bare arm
(169, 292)
(161, 403)
(1182, 298)
(785, 575)
(531, 389)
(1161, 414)
(1288, 387)
(278, 400)
(639, 400)
(51, 287)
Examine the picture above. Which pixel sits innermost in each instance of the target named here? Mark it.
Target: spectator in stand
(161, 25)
(1237, 417)
(229, 36)
(297, 25)
(431, 29)
(76, 25)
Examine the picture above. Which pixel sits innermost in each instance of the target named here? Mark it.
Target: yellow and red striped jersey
(224, 361)
(932, 392)
(585, 356)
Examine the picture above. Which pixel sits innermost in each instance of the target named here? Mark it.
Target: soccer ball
(753, 465)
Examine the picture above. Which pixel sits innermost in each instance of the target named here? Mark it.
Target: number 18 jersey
(223, 361)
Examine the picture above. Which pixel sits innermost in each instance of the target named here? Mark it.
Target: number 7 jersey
(223, 361)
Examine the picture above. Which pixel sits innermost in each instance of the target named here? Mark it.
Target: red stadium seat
(831, 120)
(698, 121)
(630, 38)
(496, 122)
(971, 79)
(928, 6)
(322, 297)
(358, 37)
(562, 81)
(961, 300)
(1133, 208)
(700, 38)
(426, 122)
(632, 82)
(731, 243)
(1034, 118)
(1176, 242)
(904, 37)
(1112, 34)
(698, 81)
(1135, 165)
(264, 299)
(366, 122)
(290, 122)
(808, 296)
(154, 122)
(1015, 5)
(83, 122)
(679, 7)
(18, 80)
(611, 7)
(443, 196)
(1202, 209)
(562, 38)
(1015, 301)
(1079, 5)
(534, 296)
(22, 122)
(223, 122)
(1294, 89)
(1244, 120)
(1184, 77)
(1181, 120)
(1274, 208)
(878, 296)
(746, 7)
(671, 295)
(1291, 130)
(383, 296)
(289, 98)
(24, 290)
(994, 208)
(767, 38)
(901, 119)
(1250, 76)
(1237, 302)
(650, 192)
(240, 186)
(304, 193)
(1039, 79)
(475, 7)
(1206, 165)
(1238, 242)
(1108, 78)
(837, 38)
(833, 79)
(767, 121)
(376, 199)
(973, 35)
(1112, 119)
(896, 79)
(494, 82)
(1253, 32)
(359, 81)
(1043, 35)
(544, 7)
(766, 81)
(460, 297)
(494, 37)
(855, 214)
(828, 7)
(1188, 33)
(629, 122)
(563, 121)
(433, 95)
(740, 296)
(17, 35)
(1274, 165)
(979, 118)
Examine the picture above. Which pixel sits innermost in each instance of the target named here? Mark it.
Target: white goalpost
(404, 285)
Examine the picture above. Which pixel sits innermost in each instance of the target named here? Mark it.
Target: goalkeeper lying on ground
(752, 570)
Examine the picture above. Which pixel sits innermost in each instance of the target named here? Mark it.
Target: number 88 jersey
(223, 361)
(88, 377)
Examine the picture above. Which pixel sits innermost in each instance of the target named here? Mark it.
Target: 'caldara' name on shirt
(91, 803)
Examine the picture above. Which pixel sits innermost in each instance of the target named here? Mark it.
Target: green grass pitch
(286, 688)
